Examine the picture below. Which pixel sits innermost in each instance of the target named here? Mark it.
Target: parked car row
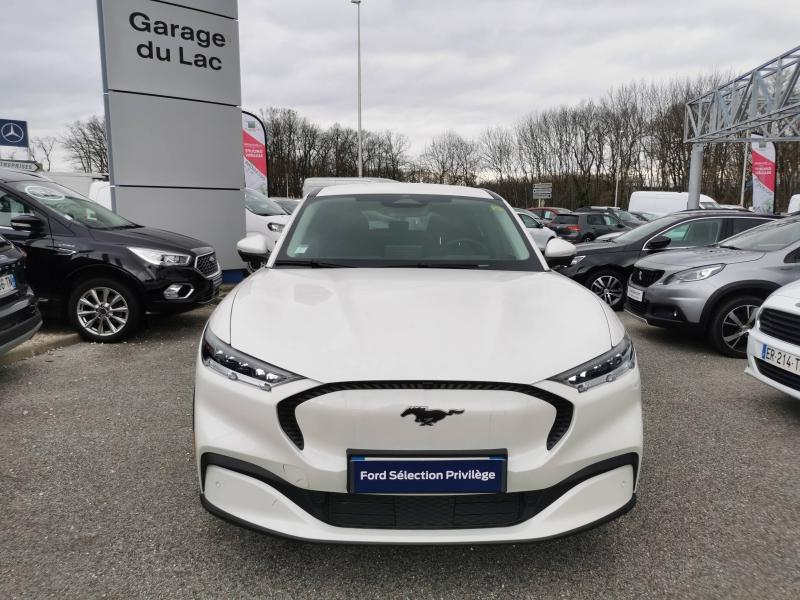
(101, 271)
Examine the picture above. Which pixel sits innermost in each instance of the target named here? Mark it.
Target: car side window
(695, 233)
(610, 221)
(529, 222)
(595, 219)
(10, 208)
(548, 214)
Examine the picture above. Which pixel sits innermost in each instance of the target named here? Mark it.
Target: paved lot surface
(98, 495)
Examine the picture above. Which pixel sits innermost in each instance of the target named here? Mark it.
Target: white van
(664, 203)
(794, 203)
(321, 182)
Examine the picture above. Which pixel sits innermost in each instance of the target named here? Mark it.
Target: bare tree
(86, 145)
(42, 148)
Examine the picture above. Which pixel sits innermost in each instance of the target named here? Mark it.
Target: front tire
(731, 324)
(104, 310)
(609, 286)
(587, 238)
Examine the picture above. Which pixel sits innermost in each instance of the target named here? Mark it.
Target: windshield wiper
(727, 247)
(314, 264)
(433, 265)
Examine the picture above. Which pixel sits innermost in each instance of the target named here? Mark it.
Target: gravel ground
(98, 496)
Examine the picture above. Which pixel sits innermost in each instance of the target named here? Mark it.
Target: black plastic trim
(555, 492)
(739, 286)
(286, 408)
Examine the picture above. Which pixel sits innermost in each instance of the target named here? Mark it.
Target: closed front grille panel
(207, 264)
(777, 374)
(288, 406)
(645, 277)
(780, 325)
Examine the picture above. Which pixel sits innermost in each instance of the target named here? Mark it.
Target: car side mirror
(28, 223)
(658, 243)
(559, 253)
(254, 248)
(620, 225)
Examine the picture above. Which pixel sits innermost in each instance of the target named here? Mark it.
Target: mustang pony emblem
(425, 416)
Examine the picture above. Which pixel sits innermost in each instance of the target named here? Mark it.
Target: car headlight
(577, 259)
(238, 366)
(276, 227)
(603, 369)
(697, 274)
(161, 257)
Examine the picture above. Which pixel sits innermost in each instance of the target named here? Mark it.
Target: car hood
(410, 324)
(598, 247)
(699, 257)
(147, 237)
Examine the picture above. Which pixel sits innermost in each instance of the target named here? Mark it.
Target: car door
(597, 224)
(693, 234)
(613, 224)
(38, 247)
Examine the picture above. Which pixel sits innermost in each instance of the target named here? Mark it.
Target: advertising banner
(254, 150)
(763, 161)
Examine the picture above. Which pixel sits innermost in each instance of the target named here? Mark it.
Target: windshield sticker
(301, 249)
(42, 193)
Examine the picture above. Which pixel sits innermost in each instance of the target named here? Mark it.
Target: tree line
(633, 134)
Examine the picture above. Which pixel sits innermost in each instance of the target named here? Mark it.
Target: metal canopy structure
(763, 104)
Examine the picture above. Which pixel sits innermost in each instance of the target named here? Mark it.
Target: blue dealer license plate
(446, 475)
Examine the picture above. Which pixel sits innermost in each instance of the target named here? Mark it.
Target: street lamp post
(619, 168)
(360, 154)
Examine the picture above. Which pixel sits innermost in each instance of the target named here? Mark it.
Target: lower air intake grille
(288, 406)
(779, 375)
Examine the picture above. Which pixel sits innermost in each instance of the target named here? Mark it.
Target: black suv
(586, 226)
(100, 268)
(19, 317)
(627, 218)
(604, 267)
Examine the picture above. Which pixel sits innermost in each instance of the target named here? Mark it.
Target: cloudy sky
(429, 65)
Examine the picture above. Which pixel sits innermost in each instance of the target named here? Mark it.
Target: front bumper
(775, 377)
(677, 305)
(240, 423)
(19, 321)
(204, 289)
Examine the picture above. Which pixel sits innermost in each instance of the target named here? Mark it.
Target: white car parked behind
(540, 233)
(263, 216)
(773, 346)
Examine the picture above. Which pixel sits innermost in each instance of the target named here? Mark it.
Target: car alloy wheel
(102, 311)
(736, 324)
(609, 287)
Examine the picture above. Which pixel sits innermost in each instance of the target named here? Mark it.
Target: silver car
(717, 290)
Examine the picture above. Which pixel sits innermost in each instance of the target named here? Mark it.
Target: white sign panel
(166, 142)
(156, 48)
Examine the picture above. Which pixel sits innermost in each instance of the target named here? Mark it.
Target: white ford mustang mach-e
(407, 369)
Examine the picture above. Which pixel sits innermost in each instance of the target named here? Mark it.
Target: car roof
(15, 175)
(722, 212)
(431, 189)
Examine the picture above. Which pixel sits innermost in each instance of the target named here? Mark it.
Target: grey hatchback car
(717, 290)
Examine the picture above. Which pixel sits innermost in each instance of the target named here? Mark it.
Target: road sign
(13, 133)
(20, 165)
(543, 186)
(543, 193)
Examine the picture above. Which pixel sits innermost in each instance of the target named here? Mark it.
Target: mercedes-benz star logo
(11, 132)
(425, 416)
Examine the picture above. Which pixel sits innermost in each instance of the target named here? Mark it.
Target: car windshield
(647, 229)
(71, 205)
(408, 230)
(626, 216)
(288, 204)
(775, 235)
(257, 203)
(709, 204)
